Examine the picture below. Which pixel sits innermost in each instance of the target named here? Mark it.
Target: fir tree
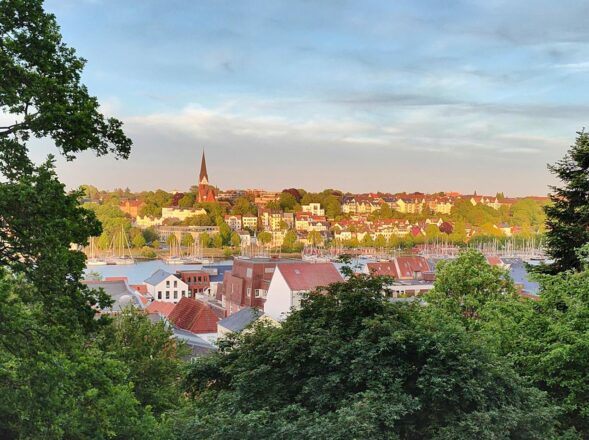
(568, 214)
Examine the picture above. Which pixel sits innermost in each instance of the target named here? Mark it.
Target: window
(184, 293)
(248, 292)
(175, 294)
(159, 294)
(167, 283)
(269, 270)
(248, 272)
(167, 294)
(175, 283)
(260, 293)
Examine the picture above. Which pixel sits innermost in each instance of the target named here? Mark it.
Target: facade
(166, 287)
(247, 283)
(206, 192)
(249, 222)
(233, 221)
(314, 209)
(181, 213)
(198, 281)
(291, 281)
(131, 207)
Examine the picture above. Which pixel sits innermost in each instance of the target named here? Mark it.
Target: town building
(247, 283)
(181, 213)
(314, 209)
(120, 292)
(291, 281)
(233, 221)
(198, 281)
(167, 287)
(194, 316)
(206, 192)
(131, 207)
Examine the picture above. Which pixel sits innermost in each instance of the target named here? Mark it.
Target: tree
(225, 233)
(187, 200)
(467, 283)
(204, 239)
(287, 201)
(235, 239)
(217, 241)
(288, 243)
(243, 206)
(264, 237)
(350, 364)
(567, 215)
(187, 240)
(152, 356)
(380, 241)
(314, 238)
(138, 241)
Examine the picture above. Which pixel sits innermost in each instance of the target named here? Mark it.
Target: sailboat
(196, 255)
(93, 260)
(119, 246)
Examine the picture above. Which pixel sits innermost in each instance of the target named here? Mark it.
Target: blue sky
(361, 96)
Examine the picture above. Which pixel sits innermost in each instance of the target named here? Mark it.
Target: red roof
(387, 268)
(141, 288)
(401, 268)
(407, 266)
(494, 260)
(115, 278)
(163, 308)
(304, 277)
(194, 316)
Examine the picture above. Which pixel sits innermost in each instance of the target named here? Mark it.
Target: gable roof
(119, 291)
(194, 316)
(240, 320)
(303, 276)
(383, 268)
(407, 266)
(160, 307)
(157, 277)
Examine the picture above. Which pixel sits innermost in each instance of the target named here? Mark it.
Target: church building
(206, 192)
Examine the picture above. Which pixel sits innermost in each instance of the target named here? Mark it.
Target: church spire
(203, 177)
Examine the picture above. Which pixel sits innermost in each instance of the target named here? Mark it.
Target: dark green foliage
(568, 215)
(151, 355)
(350, 365)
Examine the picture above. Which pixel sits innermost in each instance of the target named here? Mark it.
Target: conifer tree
(568, 214)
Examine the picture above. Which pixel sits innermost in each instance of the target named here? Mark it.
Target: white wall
(279, 297)
(161, 287)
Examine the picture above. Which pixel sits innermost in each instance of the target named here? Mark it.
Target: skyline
(404, 97)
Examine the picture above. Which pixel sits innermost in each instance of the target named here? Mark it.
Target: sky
(363, 96)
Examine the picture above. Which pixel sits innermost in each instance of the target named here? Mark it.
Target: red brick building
(206, 192)
(247, 283)
(198, 280)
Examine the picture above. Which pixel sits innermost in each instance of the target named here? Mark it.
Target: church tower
(206, 193)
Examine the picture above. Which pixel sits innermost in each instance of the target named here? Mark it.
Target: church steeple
(203, 177)
(206, 193)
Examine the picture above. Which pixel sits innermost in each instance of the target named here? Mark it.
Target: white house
(291, 280)
(313, 208)
(167, 287)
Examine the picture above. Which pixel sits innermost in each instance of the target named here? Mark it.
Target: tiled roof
(304, 277)
(386, 268)
(157, 277)
(160, 307)
(141, 288)
(194, 316)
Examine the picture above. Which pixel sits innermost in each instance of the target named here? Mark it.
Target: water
(139, 272)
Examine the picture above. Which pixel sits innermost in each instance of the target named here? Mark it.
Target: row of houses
(205, 304)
